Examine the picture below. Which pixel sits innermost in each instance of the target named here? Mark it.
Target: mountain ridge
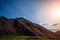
(24, 27)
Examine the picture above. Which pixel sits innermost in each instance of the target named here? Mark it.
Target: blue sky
(14, 8)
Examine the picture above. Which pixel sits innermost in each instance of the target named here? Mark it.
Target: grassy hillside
(13, 37)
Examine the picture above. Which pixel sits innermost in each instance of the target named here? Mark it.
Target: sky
(37, 11)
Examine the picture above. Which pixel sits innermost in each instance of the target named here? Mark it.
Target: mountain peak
(2, 17)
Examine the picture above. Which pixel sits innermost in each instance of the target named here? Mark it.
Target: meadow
(17, 37)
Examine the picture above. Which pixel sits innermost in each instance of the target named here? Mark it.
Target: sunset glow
(58, 12)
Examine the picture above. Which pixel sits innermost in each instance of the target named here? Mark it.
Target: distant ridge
(24, 27)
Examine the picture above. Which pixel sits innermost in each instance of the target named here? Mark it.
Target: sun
(58, 12)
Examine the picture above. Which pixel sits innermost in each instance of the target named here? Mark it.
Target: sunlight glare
(58, 12)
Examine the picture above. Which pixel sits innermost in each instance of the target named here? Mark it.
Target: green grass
(13, 37)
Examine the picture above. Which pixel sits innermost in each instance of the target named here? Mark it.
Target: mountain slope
(21, 26)
(6, 27)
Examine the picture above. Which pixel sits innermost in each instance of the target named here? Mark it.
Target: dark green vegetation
(26, 38)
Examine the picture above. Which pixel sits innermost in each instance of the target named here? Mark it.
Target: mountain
(54, 30)
(57, 32)
(23, 27)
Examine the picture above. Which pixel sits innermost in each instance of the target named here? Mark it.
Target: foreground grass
(13, 37)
